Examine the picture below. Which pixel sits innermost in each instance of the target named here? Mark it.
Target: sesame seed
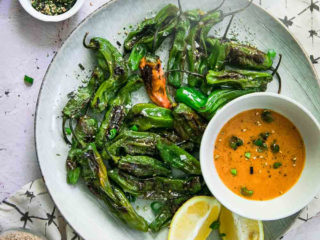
(257, 113)
(244, 130)
(272, 131)
(219, 139)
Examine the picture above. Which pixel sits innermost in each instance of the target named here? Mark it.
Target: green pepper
(193, 56)
(194, 15)
(148, 115)
(191, 97)
(218, 98)
(247, 56)
(208, 21)
(156, 188)
(85, 130)
(110, 60)
(143, 166)
(240, 79)
(77, 105)
(188, 124)
(178, 158)
(137, 53)
(163, 23)
(133, 143)
(176, 54)
(165, 213)
(72, 165)
(115, 115)
(95, 176)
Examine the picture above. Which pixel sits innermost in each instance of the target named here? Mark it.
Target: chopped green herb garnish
(233, 171)
(222, 235)
(265, 135)
(246, 192)
(266, 116)
(52, 7)
(274, 147)
(112, 133)
(277, 165)
(258, 142)
(28, 79)
(215, 225)
(68, 131)
(247, 155)
(235, 142)
(261, 144)
(134, 128)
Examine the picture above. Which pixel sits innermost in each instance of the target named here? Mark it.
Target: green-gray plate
(90, 218)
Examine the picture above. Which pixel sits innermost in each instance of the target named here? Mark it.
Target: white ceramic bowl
(26, 4)
(306, 187)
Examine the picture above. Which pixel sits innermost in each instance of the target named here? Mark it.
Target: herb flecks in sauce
(266, 116)
(270, 160)
(235, 142)
(52, 7)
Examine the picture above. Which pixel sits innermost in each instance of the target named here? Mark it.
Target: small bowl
(306, 187)
(26, 4)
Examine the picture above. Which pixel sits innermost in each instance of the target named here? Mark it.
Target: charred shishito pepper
(154, 80)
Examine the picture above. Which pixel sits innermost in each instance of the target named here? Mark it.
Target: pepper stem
(219, 6)
(275, 72)
(180, 7)
(224, 37)
(85, 44)
(239, 10)
(64, 130)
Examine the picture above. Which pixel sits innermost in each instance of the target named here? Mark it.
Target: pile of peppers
(149, 150)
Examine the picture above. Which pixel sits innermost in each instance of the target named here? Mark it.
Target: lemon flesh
(193, 219)
(235, 227)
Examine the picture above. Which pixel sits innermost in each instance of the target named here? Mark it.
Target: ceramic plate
(89, 217)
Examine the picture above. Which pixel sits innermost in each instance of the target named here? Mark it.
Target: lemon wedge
(193, 219)
(235, 227)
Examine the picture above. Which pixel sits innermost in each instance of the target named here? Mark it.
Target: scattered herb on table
(28, 79)
(247, 155)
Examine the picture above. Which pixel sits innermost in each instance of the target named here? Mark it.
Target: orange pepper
(155, 82)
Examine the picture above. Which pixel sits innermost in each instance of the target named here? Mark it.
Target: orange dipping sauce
(259, 154)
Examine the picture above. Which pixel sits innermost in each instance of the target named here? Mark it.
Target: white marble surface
(27, 47)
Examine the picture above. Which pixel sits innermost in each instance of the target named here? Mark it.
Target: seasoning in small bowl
(51, 10)
(52, 7)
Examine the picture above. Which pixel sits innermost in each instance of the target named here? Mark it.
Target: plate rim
(83, 21)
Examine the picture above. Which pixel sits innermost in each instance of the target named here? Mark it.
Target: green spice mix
(52, 7)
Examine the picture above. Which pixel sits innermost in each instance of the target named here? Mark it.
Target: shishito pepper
(148, 115)
(133, 143)
(154, 80)
(154, 30)
(191, 97)
(77, 105)
(85, 130)
(115, 115)
(165, 213)
(176, 55)
(112, 62)
(143, 166)
(248, 57)
(156, 187)
(178, 158)
(95, 176)
(218, 98)
(137, 53)
(207, 107)
(240, 79)
(188, 124)
(72, 165)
